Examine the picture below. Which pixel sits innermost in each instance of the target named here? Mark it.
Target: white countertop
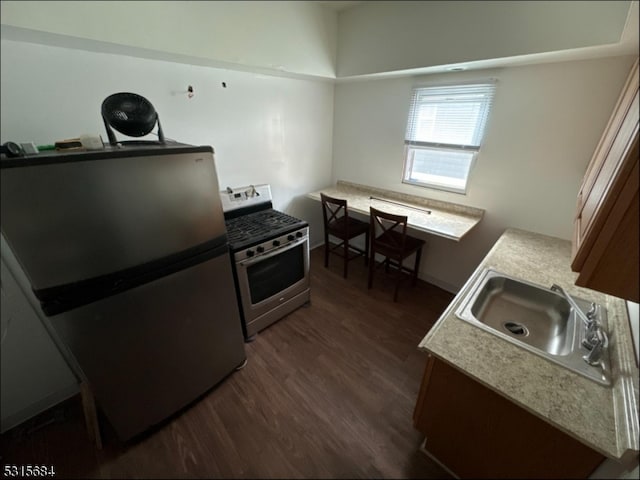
(444, 219)
(604, 418)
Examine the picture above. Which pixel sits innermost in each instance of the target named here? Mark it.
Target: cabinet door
(477, 433)
(605, 243)
(606, 160)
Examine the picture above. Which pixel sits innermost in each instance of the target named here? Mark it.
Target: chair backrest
(388, 231)
(333, 209)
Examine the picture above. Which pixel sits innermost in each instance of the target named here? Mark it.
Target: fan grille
(129, 113)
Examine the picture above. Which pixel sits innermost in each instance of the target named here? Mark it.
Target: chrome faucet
(595, 338)
(588, 319)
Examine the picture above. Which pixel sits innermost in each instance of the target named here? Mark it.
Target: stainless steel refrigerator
(126, 250)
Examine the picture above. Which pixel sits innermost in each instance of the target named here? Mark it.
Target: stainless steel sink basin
(537, 317)
(534, 318)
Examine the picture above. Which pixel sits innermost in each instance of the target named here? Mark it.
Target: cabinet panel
(613, 167)
(614, 265)
(614, 124)
(477, 433)
(605, 240)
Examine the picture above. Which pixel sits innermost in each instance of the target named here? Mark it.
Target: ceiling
(337, 5)
(628, 44)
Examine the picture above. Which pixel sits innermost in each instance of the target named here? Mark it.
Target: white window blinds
(449, 116)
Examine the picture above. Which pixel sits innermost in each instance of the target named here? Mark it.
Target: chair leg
(395, 293)
(326, 250)
(416, 266)
(346, 256)
(366, 249)
(372, 266)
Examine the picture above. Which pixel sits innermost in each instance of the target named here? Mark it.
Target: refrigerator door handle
(59, 299)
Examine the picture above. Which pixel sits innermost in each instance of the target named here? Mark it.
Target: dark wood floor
(328, 392)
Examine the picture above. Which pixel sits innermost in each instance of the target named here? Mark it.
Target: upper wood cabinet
(605, 238)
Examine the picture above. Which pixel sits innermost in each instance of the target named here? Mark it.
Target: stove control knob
(260, 249)
(276, 243)
(298, 234)
(250, 253)
(290, 237)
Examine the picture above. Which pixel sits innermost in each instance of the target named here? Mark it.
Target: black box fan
(130, 114)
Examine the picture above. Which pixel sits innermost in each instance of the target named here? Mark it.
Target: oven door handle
(272, 253)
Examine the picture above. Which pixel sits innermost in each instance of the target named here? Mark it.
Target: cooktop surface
(256, 227)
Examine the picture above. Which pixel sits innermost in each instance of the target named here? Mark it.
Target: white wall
(34, 375)
(541, 134)
(264, 129)
(398, 35)
(278, 130)
(297, 37)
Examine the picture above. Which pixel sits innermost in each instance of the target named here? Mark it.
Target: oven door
(270, 280)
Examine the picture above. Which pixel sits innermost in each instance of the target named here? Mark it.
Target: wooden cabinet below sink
(477, 433)
(605, 239)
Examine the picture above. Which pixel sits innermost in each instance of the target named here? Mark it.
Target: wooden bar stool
(339, 224)
(389, 238)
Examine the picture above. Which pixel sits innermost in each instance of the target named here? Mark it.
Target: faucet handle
(592, 311)
(592, 335)
(586, 343)
(600, 342)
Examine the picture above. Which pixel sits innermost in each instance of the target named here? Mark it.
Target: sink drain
(516, 328)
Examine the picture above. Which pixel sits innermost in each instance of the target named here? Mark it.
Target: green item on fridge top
(46, 147)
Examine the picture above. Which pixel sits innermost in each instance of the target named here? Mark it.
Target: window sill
(435, 186)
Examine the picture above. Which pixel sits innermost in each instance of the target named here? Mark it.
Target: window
(444, 133)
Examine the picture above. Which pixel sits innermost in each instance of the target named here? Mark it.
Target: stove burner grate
(259, 226)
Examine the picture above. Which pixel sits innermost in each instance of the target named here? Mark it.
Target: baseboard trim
(439, 283)
(422, 276)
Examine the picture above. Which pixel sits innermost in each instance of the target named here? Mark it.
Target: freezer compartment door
(66, 297)
(153, 349)
(75, 220)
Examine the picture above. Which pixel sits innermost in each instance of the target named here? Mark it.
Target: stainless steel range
(270, 251)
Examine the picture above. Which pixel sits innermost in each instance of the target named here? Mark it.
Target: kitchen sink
(535, 318)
